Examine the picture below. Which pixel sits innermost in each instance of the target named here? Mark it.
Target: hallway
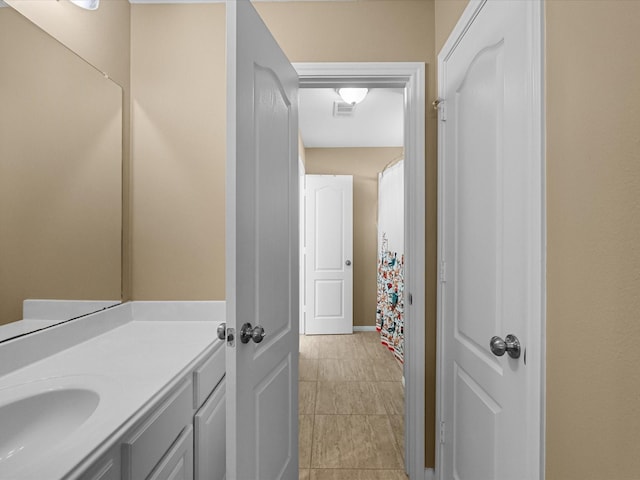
(351, 409)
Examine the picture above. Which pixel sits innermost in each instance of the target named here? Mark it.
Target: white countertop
(127, 365)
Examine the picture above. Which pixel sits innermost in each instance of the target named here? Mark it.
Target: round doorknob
(347, 263)
(510, 344)
(247, 332)
(222, 331)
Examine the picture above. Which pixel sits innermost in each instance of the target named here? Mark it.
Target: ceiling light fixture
(87, 4)
(353, 95)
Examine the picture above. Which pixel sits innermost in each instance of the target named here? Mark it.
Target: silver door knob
(347, 263)
(251, 333)
(222, 331)
(510, 344)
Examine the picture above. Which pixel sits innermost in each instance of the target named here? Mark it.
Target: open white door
(261, 252)
(329, 254)
(491, 250)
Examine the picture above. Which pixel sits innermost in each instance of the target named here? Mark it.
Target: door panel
(329, 236)
(262, 251)
(487, 246)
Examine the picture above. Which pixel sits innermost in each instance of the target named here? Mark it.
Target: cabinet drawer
(177, 464)
(210, 438)
(207, 376)
(152, 439)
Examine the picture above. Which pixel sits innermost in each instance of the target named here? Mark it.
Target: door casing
(411, 77)
(536, 350)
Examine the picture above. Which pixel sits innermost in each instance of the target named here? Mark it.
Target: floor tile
(349, 474)
(386, 369)
(305, 474)
(370, 336)
(341, 346)
(354, 441)
(308, 370)
(308, 346)
(344, 370)
(348, 398)
(305, 426)
(377, 350)
(397, 425)
(307, 397)
(392, 394)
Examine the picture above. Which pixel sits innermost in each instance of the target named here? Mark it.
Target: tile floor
(351, 409)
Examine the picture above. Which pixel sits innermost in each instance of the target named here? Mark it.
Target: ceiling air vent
(343, 109)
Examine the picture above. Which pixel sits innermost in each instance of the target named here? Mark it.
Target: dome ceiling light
(87, 4)
(353, 95)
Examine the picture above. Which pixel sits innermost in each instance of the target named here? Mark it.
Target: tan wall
(179, 109)
(179, 117)
(593, 222)
(593, 266)
(447, 14)
(364, 164)
(60, 180)
(102, 38)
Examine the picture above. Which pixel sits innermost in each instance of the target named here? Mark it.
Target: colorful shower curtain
(390, 284)
(390, 311)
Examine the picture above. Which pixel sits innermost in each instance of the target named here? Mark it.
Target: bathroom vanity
(134, 392)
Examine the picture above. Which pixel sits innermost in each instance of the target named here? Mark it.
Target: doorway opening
(409, 78)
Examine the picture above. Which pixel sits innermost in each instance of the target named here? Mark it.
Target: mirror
(60, 182)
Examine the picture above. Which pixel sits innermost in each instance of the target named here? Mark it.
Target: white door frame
(536, 351)
(302, 250)
(411, 77)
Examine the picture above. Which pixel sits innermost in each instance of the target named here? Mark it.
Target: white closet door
(329, 269)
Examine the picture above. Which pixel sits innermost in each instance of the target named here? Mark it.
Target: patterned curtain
(390, 311)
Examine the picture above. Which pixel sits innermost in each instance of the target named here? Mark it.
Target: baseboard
(429, 474)
(365, 328)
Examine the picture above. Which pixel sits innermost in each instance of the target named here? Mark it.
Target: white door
(491, 243)
(261, 252)
(329, 254)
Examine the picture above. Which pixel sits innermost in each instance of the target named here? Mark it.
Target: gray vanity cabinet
(147, 448)
(178, 462)
(209, 425)
(180, 437)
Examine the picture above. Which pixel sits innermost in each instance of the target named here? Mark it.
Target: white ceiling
(376, 122)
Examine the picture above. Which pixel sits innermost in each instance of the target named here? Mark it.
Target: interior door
(329, 254)
(491, 233)
(261, 252)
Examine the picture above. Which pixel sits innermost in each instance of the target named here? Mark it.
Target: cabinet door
(210, 448)
(107, 468)
(177, 464)
(148, 444)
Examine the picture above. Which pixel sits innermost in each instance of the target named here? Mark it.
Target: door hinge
(443, 271)
(439, 105)
(442, 433)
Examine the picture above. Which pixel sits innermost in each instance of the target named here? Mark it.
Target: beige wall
(102, 38)
(179, 113)
(60, 180)
(593, 222)
(364, 164)
(447, 14)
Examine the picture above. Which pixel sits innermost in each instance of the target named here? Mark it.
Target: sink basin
(36, 417)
